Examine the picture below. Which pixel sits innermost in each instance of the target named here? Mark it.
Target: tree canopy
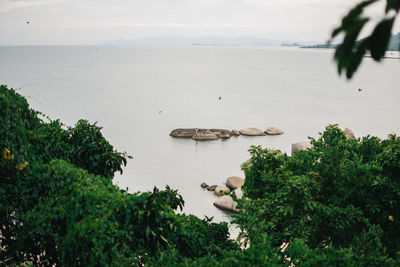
(335, 204)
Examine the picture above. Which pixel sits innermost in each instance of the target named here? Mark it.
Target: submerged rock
(273, 131)
(252, 132)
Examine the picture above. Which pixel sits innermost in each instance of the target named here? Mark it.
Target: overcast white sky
(93, 21)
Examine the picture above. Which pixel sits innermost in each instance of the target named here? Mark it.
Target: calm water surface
(124, 88)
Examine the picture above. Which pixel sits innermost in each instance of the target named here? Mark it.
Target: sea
(140, 94)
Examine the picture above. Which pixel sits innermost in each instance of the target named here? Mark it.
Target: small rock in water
(252, 132)
(227, 202)
(220, 190)
(235, 132)
(212, 187)
(234, 182)
(204, 185)
(273, 131)
(238, 193)
(349, 133)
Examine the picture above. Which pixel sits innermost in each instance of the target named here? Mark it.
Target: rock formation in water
(252, 132)
(273, 131)
(227, 202)
(220, 190)
(204, 185)
(215, 134)
(205, 135)
(201, 134)
(212, 187)
(183, 133)
(234, 182)
(349, 133)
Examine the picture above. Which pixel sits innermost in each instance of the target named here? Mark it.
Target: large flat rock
(252, 132)
(204, 136)
(184, 133)
(222, 133)
(273, 131)
(201, 134)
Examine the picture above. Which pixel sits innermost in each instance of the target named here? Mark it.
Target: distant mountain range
(171, 40)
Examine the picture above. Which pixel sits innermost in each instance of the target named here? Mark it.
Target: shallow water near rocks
(125, 88)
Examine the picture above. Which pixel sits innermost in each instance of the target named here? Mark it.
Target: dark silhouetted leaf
(380, 38)
(393, 5)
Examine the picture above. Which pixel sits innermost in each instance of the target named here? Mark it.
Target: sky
(90, 22)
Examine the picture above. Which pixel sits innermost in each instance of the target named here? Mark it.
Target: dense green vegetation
(340, 198)
(332, 205)
(58, 204)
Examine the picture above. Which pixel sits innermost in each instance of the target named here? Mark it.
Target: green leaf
(380, 38)
(392, 5)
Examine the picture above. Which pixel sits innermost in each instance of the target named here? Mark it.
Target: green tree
(351, 51)
(338, 198)
(58, 205)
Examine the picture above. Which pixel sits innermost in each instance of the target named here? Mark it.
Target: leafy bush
(91, 150)
(23, 130)
(56, 213)
(332, 205)
(70, 217)
(329, 196)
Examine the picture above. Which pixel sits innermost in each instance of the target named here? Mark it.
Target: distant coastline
(172, 40)
(394, 44)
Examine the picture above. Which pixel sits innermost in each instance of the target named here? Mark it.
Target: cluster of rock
(235, 183)
(226, 202)
(215, 134)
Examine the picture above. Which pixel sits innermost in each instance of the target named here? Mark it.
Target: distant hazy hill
(329, 46)
(170, 40)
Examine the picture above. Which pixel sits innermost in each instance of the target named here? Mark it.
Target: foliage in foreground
(340, 198)
(53, 212)
(39, 140)
(351, 51)
(332, 205)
